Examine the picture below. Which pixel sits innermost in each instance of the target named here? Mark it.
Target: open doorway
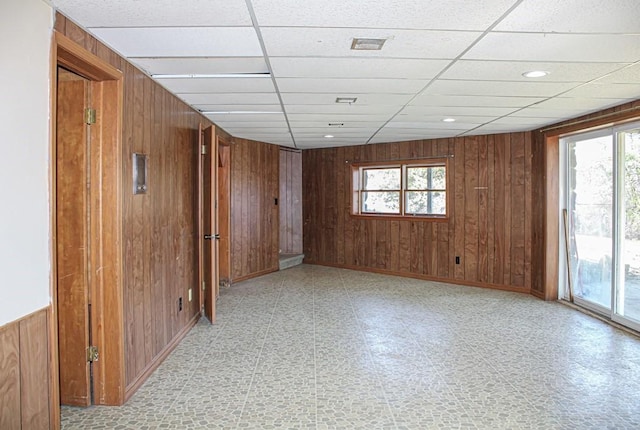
(224, 212)
(290, 208)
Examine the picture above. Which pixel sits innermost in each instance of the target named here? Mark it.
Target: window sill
(431, 218)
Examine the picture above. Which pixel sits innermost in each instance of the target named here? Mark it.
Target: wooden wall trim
(157, 361)
(107, 90)
(552, 218)
(25, 373)
(254, 275)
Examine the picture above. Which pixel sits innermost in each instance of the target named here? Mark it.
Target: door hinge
(203, 149)
(204, 285)
(89, 116)
(92, 354)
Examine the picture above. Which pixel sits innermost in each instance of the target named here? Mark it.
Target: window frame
(357, 188)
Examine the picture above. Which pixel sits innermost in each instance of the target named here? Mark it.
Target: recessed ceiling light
(535, 74)
(346, 100)
(364, 44)
(449, 120)
(328, 136)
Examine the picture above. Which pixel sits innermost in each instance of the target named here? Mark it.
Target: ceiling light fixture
(365, 44)
(535, 74)
(449, 120)
(328, 136)
(213, 75)
(349, 100)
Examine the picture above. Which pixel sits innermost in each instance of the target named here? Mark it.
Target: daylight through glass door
(602, 189)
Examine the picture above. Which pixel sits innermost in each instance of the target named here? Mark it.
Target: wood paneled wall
(290, 201)
(254, 213)
(159, 227)
(490, 220)
(24, 373)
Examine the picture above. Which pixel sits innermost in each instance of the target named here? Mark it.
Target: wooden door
(209, 223)
(72, 232)
(224, 211)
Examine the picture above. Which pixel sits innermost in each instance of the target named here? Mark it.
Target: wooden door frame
(213, 152)
(106, 221)
(227, 190)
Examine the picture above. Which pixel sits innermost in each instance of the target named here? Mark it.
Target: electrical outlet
(180, 304)
(190, 294)
(457, 259)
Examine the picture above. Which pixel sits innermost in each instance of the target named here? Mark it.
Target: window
(411, 189)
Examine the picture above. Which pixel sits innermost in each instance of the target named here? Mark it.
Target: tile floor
(322, 348)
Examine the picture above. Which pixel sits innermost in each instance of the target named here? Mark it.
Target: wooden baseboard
(253, 275)
(538, 294)
(426, 277)
(157, 361)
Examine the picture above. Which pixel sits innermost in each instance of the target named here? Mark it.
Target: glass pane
(426, 178)
(590, 218)
(426, 203)
(381, 179)
(381, 202)
(628, 303)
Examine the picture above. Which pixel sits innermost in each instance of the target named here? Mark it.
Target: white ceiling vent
(361, 44)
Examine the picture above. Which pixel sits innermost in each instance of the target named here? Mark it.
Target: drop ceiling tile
(496, 129)
(258, 132)
(598, 90)
(452, 14)
(474, 101)
(300, 67)
(336, 42)
(246, 125)
(437, 134)
(520, 122)
(554, 114)
(320, 140)
(217, 85)
(463, 124)
(242, 117)
(316, 85)
(343, 108)
(628, 75)
(321, 131)
(576, 104)
(573, 16)
(513, 70)
(557, 47)
(182, 41)
(498, 88)
(268, 98)
(238, 108)
(295, 124)
(156, 13)
(454, 111)
(201, 65)
(339, 118)
(372, 99)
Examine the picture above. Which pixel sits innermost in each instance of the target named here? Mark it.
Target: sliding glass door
(602, 219)
(627, 286)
